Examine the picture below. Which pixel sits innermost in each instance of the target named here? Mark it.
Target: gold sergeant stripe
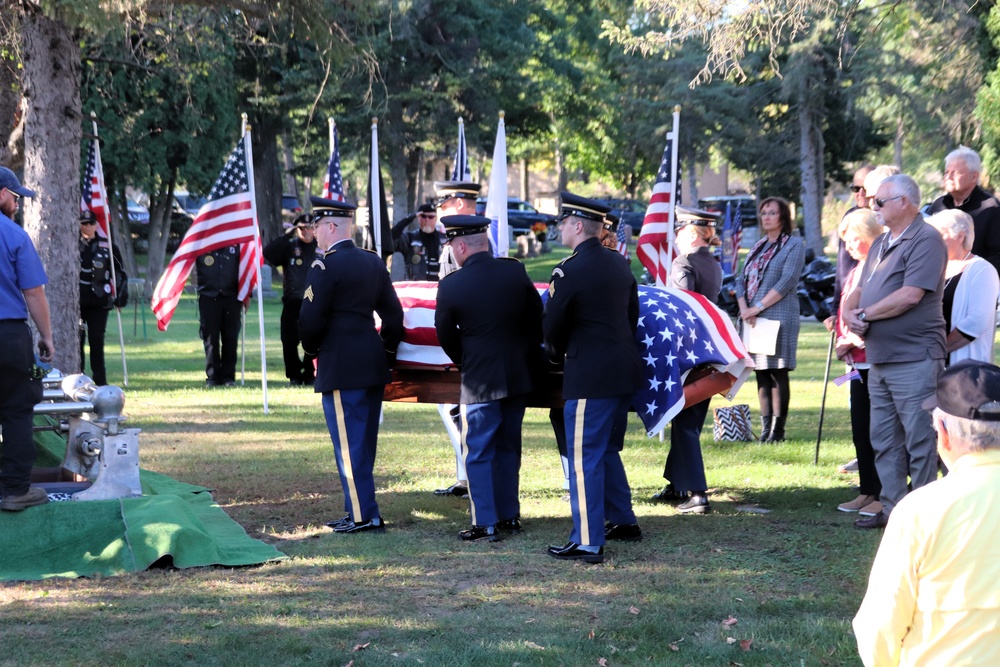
(345, 456)
(581, 487)
(465, 461)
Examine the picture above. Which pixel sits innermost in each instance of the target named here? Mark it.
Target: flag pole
(333, 128)
(675, 135)
(111, 249)
(260, 284)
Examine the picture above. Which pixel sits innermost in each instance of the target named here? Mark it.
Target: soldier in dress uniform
(489, 321)
(96, 299)
(345, 285)
(294, 253)
(589, 326)
(422, 247)
(220, 313)
(697, 270)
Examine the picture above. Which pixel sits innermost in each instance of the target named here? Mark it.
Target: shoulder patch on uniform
(568, 258)
(318, 263)
(558, 273)
(308, 294)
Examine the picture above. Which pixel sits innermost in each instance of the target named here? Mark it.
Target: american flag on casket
(678, 330)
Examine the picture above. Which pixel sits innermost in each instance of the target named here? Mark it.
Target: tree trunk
(897, 153)
(52, 131)
(288, 157)
(399, 163)
(561, 170)
(811, 162)
(692, 175)
(267, 178)
(159, 232)
(412, 178)
(11, 155)
(525, 191)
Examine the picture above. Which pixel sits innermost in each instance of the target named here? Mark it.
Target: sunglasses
(883, 202)
(88, 222)
(857, 188)
(427, 215)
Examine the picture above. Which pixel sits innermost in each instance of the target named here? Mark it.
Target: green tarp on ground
(107, 537)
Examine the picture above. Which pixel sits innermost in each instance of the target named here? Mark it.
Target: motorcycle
(815, 290)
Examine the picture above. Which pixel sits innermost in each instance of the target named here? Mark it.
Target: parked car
(748, 214)
(180, 222)
(188, 203)
(629, 211)
(520, 216)
(137, 213)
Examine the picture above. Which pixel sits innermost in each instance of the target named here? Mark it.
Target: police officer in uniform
(489, 321)
(422, 247)
(96, 299)
(220, 313)
(345, 285)
(294, 253)
(589, 326)
(697, 270)
(22, 293)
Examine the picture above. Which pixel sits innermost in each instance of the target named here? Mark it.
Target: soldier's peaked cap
(464, 225)
(328, 208)
(611, 222)
(581, 207)
(461, 189)
(693, 216)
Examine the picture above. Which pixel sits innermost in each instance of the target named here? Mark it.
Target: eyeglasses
(857, 188)
(883, 202)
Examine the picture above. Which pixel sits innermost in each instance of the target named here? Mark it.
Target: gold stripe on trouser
(345, 456)
(465, 460)
(581, 487)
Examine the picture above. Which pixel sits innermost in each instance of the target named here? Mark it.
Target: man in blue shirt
(22, 292)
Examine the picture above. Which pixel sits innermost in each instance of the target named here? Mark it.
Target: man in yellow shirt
(933, 595)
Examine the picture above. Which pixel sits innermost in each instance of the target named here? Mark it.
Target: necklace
(948, 281)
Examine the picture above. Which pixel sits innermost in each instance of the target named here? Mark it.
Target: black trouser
(296, 369)
(685, 468)
(96, 320)
(18, 396)
(220, 324)
(861, 418)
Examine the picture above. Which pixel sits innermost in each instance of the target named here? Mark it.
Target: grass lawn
(771, 577)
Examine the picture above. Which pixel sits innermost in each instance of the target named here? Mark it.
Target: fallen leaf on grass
(360, 647)
(590, 635)
(674, 647)
(733, 663)
(745, 644)
(730, 640)
(603, 662)
(350, 664)
(633, 610)
(731, 621)
(534, 645)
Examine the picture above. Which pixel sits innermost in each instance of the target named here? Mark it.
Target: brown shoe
(878, 521)
(34, 496)
(871, 509)
(857, 504)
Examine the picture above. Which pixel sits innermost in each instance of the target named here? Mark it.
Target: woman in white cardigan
(970, 290)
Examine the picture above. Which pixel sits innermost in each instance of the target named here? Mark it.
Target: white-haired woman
(970, 290)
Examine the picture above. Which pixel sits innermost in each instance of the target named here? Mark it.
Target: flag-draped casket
(679, 332)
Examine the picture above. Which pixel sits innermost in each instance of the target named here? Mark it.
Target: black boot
(777, 429)
(765, 428)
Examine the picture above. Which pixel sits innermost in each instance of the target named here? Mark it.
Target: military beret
(328, 208)
(581, 207)
(464, 225)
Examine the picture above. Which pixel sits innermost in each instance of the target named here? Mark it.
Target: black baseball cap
(969, 389)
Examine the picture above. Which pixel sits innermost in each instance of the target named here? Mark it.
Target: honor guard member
(489, 321)
(421, 248)
(22, 293)
(220, 313)
(96, 298)
(454, 198)
(589, 326)
(345, 285)
(294, 253)
(697, 270)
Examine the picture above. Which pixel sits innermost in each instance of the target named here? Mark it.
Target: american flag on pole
(622, 240)
(227, 218)
(378, 209)
(679, 330)
(732, 232)
(251, 259)
(655, 248)
(93, 193)
(461, 171)
(333, 180)
(853, 374)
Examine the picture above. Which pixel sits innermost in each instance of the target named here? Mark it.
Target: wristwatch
(759, 305)
(862, 316)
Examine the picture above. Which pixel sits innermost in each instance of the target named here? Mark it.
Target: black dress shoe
(572, 551)
(457, 489)
(375, 525)
(488, 533)
(623, 532)
(880, 520)
(338, 522)
(512, 526)
(669, 495)
(696, 504)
